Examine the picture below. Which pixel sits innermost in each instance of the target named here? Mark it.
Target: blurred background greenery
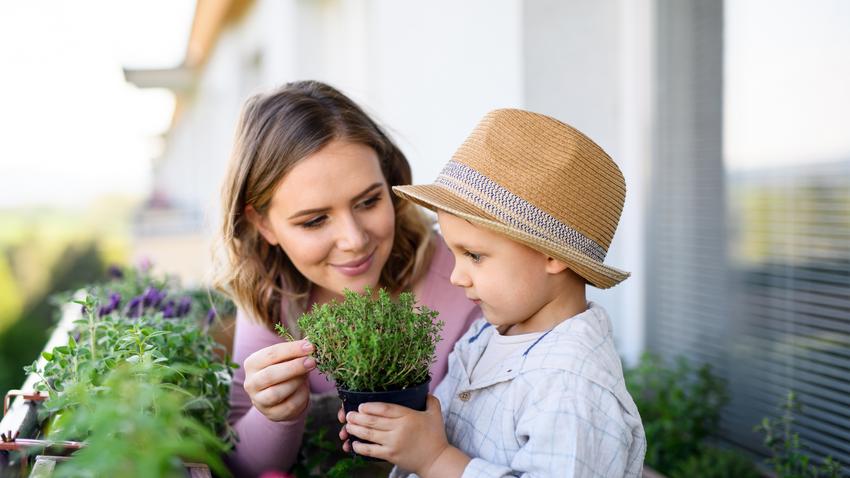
(48, 250)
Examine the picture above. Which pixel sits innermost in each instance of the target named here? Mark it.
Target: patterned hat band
(513, 210)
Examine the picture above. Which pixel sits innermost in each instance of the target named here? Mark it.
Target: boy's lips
(357, 266)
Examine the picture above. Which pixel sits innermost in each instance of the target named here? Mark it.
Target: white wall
(428, 71)
(587, 63)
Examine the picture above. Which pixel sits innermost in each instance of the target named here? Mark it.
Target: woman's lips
(357, 267)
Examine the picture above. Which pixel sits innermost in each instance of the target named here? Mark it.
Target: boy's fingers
(340, 415)
(364, 433)
(380, 409)
(367, 449)
(433, 404)
(369, 421)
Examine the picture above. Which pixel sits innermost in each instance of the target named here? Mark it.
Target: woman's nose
(352, 235)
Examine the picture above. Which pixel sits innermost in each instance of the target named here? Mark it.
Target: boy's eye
(313, 223)
(476, 258)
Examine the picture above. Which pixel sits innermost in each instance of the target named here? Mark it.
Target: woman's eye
(313, 223)
(475, 257)
(370, 202)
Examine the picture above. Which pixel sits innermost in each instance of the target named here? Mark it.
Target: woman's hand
(413, 440)
(276, 379)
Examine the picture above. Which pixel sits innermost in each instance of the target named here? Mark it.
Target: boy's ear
(261, 223)
(555, 266)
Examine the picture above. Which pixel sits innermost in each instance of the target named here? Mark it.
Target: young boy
(529, 206)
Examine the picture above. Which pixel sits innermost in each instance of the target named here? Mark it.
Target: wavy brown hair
(277, 130)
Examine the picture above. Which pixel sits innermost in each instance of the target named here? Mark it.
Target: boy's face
(509, 280)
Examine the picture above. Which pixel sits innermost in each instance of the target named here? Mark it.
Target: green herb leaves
(369, 342)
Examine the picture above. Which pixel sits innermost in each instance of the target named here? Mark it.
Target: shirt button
(463, 396)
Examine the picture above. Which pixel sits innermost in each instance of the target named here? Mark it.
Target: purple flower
(184, 306)
(115, 272)
(211, 315)
(135, 307)
(168, 310)
(114, 303)
(149, 296)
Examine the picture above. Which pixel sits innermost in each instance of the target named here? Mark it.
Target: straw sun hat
(538, 181)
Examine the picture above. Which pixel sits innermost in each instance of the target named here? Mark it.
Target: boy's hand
(413, 440)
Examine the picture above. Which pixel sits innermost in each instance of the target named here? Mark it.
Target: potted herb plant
(376, 349)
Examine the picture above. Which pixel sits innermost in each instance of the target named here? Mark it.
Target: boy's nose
(459, 278)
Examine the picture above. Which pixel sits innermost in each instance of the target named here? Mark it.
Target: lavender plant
(370, 342)
(158, 325)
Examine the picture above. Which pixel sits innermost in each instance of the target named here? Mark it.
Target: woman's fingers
(277, 353)
(289, 407)
(279, 373)
(272, 396)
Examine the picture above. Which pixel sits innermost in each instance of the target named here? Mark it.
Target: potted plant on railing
(376, 349)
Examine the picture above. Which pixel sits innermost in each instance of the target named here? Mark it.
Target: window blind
(749, 272)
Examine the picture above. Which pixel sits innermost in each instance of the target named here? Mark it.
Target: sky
(71, 128)
(787, 82)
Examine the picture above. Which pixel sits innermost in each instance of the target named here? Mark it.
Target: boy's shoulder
(582, 350)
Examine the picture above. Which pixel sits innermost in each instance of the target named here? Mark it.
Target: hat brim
(438, 198)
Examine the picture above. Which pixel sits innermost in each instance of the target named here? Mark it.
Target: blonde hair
(277, 130)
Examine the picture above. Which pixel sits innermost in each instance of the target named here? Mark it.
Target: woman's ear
(261, 223)
(555, 266)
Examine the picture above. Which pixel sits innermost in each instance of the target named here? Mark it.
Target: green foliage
(788, 458)
(78, 264)
(373, 343)
(711, 462)
(154, 326)
(322, 458)
(136, 426)
(679, 406)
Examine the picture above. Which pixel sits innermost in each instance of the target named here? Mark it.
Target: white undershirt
(498, 348)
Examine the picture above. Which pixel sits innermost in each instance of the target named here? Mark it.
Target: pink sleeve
(263, 444)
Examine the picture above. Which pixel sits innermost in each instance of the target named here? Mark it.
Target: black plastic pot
(415, 397)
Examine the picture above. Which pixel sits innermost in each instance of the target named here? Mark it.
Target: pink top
(265, 445)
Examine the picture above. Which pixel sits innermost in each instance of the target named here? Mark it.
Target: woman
(307, 213)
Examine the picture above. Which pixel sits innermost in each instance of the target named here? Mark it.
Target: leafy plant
(319, 457)
(136, 426)
(789, 459)
(712, 462)
(369, 342)
(679, 406)
(160, 326)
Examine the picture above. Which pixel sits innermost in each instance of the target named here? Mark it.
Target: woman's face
(332, 214)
